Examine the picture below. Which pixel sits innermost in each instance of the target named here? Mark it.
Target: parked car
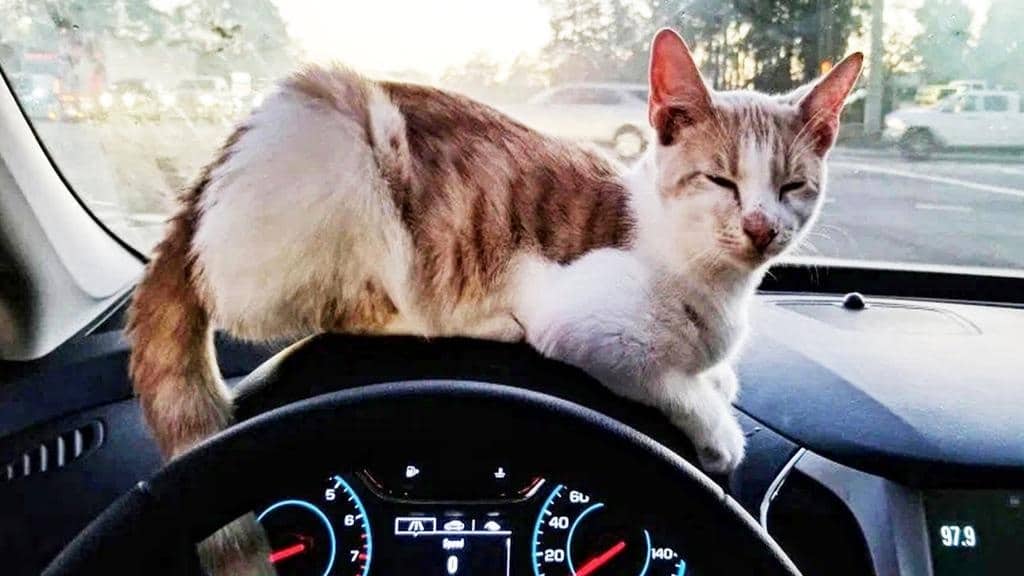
(931, 94)
(968, 85)
(133, 98)
(611, 114)
(972, 119)
(205, 98)
(37, 93)
(76, 106)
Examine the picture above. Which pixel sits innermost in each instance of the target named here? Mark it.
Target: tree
(710, 28)
(598, 40)
(788, 42)
(999, 56)
(526, 76)
(942, 45)
(770, 45)
(478, 77)
(765, 44)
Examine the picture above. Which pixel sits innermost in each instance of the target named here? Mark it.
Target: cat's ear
(678, 95)
(820, 107)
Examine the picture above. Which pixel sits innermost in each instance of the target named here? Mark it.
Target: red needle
(286, 553)
(590, 566)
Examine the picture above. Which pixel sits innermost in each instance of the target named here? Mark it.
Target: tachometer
(575, 535)
(304, 541)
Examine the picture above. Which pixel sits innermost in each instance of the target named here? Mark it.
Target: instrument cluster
(478, 519)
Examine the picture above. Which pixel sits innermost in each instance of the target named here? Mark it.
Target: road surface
(881, 207)
(878, 206)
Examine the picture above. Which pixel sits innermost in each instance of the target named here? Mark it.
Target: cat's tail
(172, 365)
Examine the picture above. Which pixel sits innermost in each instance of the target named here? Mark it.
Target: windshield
(132, 97)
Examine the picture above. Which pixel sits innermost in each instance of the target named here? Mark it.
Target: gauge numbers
(305, 541)
(574, 535)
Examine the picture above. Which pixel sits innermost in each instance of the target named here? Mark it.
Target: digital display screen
(975, 532)
(453, 546)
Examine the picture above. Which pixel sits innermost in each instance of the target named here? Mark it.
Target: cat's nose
(759, 229)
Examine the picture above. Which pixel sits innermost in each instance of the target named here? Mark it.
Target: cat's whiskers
(819, 235)
(820, 228)
(808, 245)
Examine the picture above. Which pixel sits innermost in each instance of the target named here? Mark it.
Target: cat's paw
(720, 450)
(238, 549)
(723, 378)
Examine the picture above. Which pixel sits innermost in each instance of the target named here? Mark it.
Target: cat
(351, 205)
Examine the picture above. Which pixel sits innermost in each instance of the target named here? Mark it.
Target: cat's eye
(723, 182)
(791, 186)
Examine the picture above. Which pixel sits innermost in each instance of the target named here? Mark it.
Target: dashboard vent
(57, 452)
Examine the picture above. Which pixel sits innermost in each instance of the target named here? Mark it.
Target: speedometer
(576, 535)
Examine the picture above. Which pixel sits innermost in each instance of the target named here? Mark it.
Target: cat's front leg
(594, 314)
(698, 406)
(723, 378)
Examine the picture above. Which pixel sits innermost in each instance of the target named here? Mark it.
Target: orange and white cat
(350, 205)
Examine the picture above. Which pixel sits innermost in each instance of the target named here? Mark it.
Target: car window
(565, 96)
(639, 93)
(967, 104)
(996, 103)
(584, 96)
(602, 97)
(131, 98)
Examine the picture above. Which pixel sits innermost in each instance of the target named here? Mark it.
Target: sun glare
(427, 37)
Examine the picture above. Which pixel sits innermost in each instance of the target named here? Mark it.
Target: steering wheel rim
(151, 529)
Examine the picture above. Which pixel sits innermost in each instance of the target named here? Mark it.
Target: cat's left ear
(820, 108)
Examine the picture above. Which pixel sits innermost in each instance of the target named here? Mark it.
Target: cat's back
(480, 187)
(406, 196)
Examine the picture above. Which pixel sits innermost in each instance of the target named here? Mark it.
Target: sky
(426, 36)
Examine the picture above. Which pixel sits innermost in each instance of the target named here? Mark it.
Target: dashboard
(485, 517)
(902, 420)
(884, 440)
(478, 518)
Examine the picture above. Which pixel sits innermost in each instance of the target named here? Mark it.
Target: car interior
(882, 388)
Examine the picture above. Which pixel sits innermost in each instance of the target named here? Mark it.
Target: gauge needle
(590, 566)
(285, 553)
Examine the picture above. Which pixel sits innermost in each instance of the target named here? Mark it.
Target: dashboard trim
(890, 515)
(775, 486)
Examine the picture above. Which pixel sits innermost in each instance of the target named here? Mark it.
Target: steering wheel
(154, 527)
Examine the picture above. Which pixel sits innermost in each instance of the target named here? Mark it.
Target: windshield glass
(132, 97)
